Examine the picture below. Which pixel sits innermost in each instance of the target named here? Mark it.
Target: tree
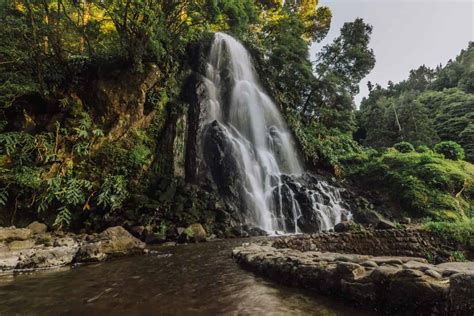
(339, 69)
(450, 150)
(429, 106)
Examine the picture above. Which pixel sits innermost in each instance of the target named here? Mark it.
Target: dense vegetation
(79, 148)
(431, 105)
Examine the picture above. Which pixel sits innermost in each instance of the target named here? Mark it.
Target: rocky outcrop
(119, 96)
(113, 242)
(24, 249)
(392, 284)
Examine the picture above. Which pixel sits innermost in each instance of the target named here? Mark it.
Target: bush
(422, 149)
(460, 231)
(450, 150)
(404, 147)
(421, 185)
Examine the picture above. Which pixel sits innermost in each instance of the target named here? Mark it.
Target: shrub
(421, 184)
(404, 147)
(450, 150)
(462, 231)
(422, 149)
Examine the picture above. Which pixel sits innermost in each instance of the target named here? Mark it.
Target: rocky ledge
(34, 248)
(389, 284)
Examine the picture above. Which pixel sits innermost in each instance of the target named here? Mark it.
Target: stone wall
(391, 285)
(395, 242)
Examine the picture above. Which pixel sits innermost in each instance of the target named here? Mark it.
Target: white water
(261, 139)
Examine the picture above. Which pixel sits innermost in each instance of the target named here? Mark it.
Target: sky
(406, 33)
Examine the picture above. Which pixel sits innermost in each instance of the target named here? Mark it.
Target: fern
(113, 192)
(63, 219)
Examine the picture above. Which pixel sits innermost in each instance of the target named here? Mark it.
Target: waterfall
(262, 146)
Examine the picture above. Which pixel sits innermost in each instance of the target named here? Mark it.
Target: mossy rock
(195, 232)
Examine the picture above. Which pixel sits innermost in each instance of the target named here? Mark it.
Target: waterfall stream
(262, 146)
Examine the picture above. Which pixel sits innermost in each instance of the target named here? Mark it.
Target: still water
(200, 279)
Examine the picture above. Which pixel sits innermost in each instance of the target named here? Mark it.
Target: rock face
(20, 249)
(400, 285)
(119, 96)
(113, 242)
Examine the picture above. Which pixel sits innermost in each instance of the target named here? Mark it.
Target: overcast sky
(406, 33)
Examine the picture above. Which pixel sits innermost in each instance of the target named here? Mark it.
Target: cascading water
(262, 147)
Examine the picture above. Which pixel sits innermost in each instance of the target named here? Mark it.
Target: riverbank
(34, 248)
(385, 283)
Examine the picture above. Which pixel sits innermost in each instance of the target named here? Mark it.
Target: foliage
(113, 192)
(461, 232)
(450, 150)
(404, 147)
(431, 105)
(327, 147)
(422, 184)
(339, 68)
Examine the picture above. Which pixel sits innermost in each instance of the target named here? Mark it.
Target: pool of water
(199, 279)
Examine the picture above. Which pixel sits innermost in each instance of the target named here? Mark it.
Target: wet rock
(221, 160)
(344, 226)
(37, 227)
(256, 231)
(113, 242)
(13, 233)
(49, 257)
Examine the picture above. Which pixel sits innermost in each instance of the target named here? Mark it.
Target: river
(197, 279)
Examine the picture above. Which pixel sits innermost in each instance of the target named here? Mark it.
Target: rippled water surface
(183, 280)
